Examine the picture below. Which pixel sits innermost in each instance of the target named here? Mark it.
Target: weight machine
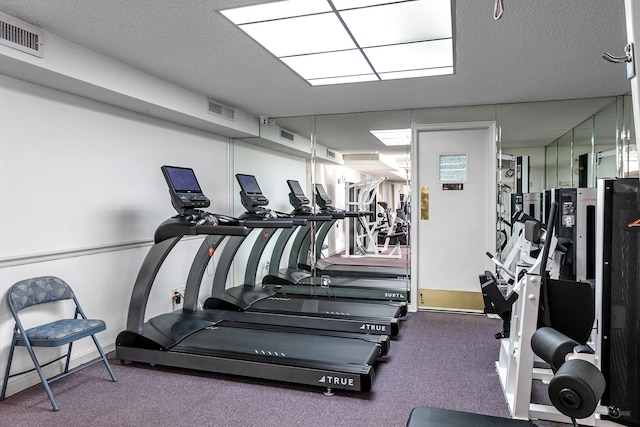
(362, 231)
(569, 308)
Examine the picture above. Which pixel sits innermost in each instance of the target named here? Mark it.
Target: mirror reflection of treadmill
(297, 278)
(252, 298)
(351, 270)
(218, 340)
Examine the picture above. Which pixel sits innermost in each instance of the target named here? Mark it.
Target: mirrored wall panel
(360, 163)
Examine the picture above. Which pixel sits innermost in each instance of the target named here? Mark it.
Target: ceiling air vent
(286, 135)
(18, 35)
(220, 110)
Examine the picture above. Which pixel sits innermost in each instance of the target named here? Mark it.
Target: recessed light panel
(330, 64)
(346, 41)
(276, 10)
(393, 136)
(411, 56)
(291, 36)
(396, 23)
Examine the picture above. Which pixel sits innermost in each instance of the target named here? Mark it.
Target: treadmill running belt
(279, 347)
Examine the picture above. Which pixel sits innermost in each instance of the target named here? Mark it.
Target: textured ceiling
(540, 50)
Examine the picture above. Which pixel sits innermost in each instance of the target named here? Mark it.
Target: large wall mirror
(568, 143)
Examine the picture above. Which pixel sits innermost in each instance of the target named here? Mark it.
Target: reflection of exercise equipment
(576, 229)
(528, 203)
(297, 277)
(325, 205)
(362, 231)
(521, 248)
(524, 255)
(389, 230)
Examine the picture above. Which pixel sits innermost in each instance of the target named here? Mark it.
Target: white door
(455, 227)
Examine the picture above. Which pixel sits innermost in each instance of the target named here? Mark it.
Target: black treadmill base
(325, 378)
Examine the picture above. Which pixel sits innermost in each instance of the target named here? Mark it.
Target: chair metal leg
(6, 374)
(45, 383)
(104, 358)
(66, 363)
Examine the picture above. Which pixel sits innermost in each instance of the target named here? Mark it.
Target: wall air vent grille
(286, 135)
(18, 35)
(220, 110)
(331, 154)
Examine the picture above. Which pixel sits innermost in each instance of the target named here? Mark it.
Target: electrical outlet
(177, 295)
(266, 264)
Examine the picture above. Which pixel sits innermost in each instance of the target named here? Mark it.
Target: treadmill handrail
(267, 223)
(181, 226)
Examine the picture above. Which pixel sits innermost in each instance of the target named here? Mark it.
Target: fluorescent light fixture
(393, 136)
(347, 41)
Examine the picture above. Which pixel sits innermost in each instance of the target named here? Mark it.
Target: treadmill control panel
(297, 198)
(184, 189)
(250, 192)
(323, 200)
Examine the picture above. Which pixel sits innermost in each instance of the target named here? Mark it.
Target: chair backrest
(38, 290)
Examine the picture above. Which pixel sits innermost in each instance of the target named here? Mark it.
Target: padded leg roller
(577, 385)
(552, 346)
(576, 388)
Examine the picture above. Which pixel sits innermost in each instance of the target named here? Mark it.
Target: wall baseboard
(451, 300)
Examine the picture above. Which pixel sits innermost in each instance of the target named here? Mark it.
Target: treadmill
(203, 340)
(364, 317)
(294, 280)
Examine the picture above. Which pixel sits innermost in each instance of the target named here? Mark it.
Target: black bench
(423, 416)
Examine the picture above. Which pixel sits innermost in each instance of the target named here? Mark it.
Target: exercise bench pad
(423, 416)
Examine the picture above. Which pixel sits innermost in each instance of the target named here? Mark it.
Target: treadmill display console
(322, 198)
(184, 189)
(250, 192)
(296, 197)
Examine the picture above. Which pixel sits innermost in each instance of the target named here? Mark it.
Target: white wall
(82, 196)
(72, 68)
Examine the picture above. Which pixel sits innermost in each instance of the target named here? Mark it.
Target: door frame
(416, 129)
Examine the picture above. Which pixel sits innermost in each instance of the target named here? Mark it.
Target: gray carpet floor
(444, 360)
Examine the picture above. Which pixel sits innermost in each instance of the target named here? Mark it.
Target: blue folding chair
(41, 290)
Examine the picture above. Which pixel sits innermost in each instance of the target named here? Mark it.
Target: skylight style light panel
(412, 74)
(399, 22)
(331, 64)
(350, 4)
(306, 34)
(316, 42)
(276, 10)
(411, 56)
(393, 136)
(345, 79)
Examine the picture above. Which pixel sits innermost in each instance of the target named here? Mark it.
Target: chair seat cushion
(62, 332)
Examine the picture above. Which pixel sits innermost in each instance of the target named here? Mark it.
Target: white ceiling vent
(220, 110)
(19, 35)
